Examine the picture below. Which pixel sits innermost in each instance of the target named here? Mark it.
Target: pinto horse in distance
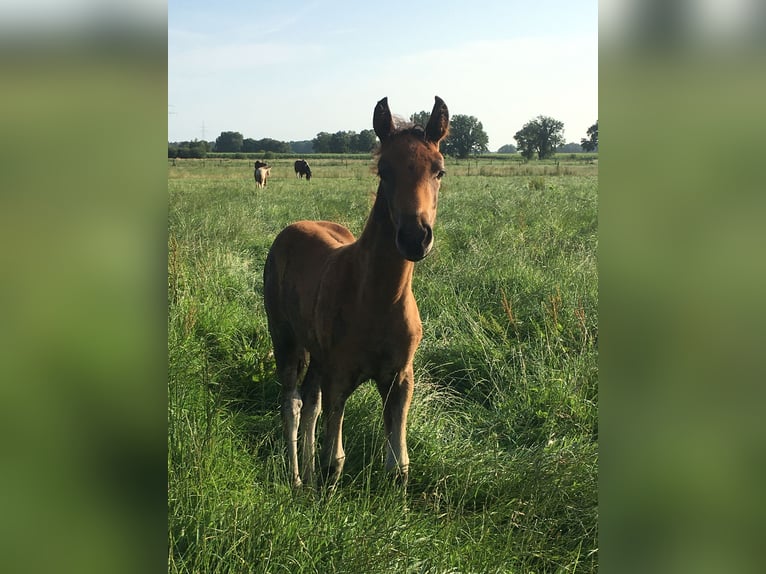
(342, 310)
(259, 180)
(261, 175)
(302, 168)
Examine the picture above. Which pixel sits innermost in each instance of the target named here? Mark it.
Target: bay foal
(342, 310)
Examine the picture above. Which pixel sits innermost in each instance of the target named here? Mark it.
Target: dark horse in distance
(302, 168)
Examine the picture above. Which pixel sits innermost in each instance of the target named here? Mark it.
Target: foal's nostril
(414, 241)
(428, 236)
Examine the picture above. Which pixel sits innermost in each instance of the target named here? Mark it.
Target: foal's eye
(441, 173)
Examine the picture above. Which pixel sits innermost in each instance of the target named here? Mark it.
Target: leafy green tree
(249, 145)
(540, 136)
(198, 148)
(301, 147)
(420, 118)
(340, 142)
(272, 145)
(466, 137)
(229, 142)
(466, 134)
(321, 143)
(507, 148)
(188, 149)
(591, 142)
(364, 141)
(571, 147)
(526, 138)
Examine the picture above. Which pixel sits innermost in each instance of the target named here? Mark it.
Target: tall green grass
(503, 428)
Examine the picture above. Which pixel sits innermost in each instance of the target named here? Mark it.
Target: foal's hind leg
(290, 364)
(311, 396)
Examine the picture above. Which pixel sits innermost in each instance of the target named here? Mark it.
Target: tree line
(541, 136)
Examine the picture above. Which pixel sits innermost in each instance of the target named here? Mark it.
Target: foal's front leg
(396, 392)
(333, 456)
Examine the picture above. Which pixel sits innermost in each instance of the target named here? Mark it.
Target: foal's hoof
(400, 476)
(330, 477)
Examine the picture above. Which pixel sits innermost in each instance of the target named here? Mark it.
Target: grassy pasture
(503, 429)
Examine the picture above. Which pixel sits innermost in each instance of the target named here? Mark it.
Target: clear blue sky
(291, 69)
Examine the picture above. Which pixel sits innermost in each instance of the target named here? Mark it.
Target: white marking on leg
(333, 455)
(309, 416)
(291, 416)
(396, 405)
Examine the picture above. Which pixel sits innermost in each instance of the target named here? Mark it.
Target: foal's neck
(387, 272)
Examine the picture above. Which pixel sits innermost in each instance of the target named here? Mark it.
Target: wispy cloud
(239, 57)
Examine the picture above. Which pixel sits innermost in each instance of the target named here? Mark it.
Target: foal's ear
(438, 124)
(382, 121)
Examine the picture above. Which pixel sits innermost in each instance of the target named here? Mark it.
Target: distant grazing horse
(258, 164)
(261, 174)
(344, 311)
(302, 168)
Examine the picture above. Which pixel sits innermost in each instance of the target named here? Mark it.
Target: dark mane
(405, 126)
(416, 130)
(402, 130)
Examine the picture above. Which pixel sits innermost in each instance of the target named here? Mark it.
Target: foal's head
(410, 169)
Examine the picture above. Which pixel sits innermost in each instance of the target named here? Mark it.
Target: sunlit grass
(503, 427)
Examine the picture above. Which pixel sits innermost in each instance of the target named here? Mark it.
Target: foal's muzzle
(414, 241)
